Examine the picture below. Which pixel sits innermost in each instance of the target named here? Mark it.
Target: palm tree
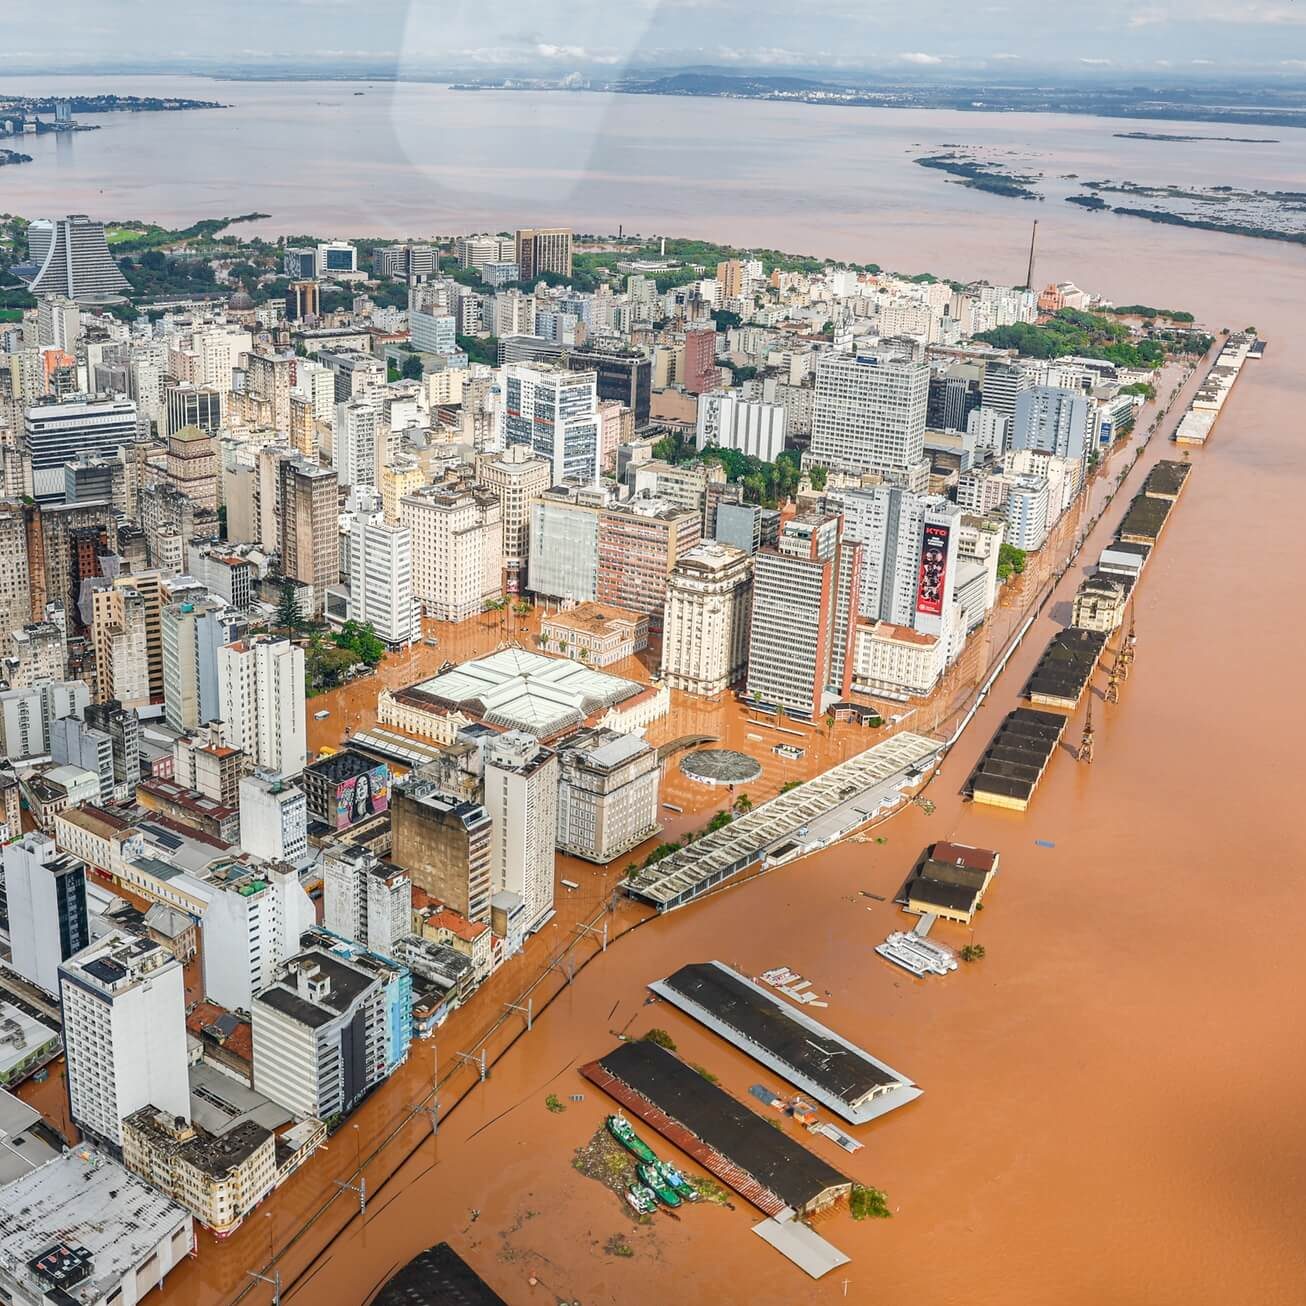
(743, 804)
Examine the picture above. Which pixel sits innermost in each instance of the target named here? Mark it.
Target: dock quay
(1013, 765)
(761, 1163)
(817, 813)
(1209, 401)
(839, 1075)
(1066, 666)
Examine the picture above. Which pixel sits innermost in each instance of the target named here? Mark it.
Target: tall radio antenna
(1029, 272)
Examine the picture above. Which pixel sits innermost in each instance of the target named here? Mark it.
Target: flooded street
(1111, 1096)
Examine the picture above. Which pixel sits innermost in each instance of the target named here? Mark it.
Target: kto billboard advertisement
(934, 569)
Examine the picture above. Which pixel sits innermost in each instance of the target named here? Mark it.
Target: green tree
(1011, 561)
(661, 1038)
(412, 368)
(287, 615)
(743, 804)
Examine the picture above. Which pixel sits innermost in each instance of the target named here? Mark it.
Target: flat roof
(767, 1154)
(220, 1104)
(837, 1073)
(437, 1277)
(85, 1199)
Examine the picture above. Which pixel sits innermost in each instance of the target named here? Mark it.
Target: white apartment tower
(261, 698)
(46, 896)
(868, 413)
(381, 577)
(273, 818)
(556, 415)
(457, 544)
(124, 1029)
(365, 899)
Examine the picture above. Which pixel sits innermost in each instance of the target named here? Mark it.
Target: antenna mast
(1029, 271)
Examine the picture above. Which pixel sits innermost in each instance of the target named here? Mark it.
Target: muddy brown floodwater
(1111, 1107)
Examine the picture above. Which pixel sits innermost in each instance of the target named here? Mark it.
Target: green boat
(652, 1176)
(642, 1199)
(678, 1181)
(620, 1129)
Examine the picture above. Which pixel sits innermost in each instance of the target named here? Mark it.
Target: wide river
(1112, 1107)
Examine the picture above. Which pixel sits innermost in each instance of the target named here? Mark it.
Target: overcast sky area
(1018, 38)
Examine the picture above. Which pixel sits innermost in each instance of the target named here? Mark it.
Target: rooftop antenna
(1029, 272)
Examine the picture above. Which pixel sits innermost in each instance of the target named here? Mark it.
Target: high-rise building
(74, 743)
(952, 399)
(639, 542)
(45, 893)
(123, 727)
(58, 323)
(516, 476)
(1002, 385)
(555, 414)
(336, 256)
(192, 405)
(360, 435)
(261, 696)
(26, 714)
(56, 433)
(124, 1009)
(1049, 419)
(444, 844)
(321, 1033)
(409, 261)
(701, 373)
(72, 259)
(120, 640)
(705, 630)
(521, 797)
(303, 300)
(381, 577)
(251, 926)
(804, 607)
(432, 333)
(607, 793)
(563, 556)
(868, 414)
(193, 631)
(15, 571)
(193, 466)
(300, 263)
(273, 819)
(364, 899)
(35, 652)
(623, 376)
(729, 422)
(457, 549)
(543, 249)
(310, 536)
(1028, 511)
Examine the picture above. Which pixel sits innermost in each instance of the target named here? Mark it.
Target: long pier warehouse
(838, 1074)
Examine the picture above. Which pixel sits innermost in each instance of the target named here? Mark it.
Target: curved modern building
(71, 257)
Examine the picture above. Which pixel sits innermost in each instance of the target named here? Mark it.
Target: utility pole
(274, 1279)
(1086, 742)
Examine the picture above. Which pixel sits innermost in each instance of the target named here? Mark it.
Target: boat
(643, 1199)
(652, 1175)
(620, 1129)
(679, 1182)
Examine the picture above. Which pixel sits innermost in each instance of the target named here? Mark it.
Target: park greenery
(769, 484)
(1072, 331)
(865, 1203)
(661, 1038)
(480, 349)
(1142, 310)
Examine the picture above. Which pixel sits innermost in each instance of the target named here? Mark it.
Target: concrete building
(321, 1037)
(251, 925)
(521, 798)
(124, 1008)
(804, 608)
(218, 1178)
(360, 438)
(896, 659)
(457, 549)
(193, 632)
(82, 1229)
(1100, 603)
(563, 556)
(1027, 512)
(701, 373)
(639, 542)
(186, 404)
(516, 477)
(261, 693)
(366, 900)
(273, 819)
(381, 577)
(868, 414)
(727, 421)
(594, 633)
(309, 538)
(705, 632)
(35, 653)
(15, 572)
(54, 433)
(555, 414)
(623, 376)
(73, 261)
(45, 893)
(75, 743)
(1049, 419)
(445, 845)
(26, 714)
(543, 249)
(120, 639)
(204, 762)
(607, 794)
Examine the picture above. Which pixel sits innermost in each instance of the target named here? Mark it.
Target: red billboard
(934, 569)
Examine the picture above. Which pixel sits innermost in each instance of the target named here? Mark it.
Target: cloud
(917, 57)
(1097, 63)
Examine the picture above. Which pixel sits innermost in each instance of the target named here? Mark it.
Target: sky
(596, 38)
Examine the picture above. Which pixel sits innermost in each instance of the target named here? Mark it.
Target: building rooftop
(20, 1035)
(518, 690)
(21, 1151)
(595, 618)
(437, 1277)
(220, 1104)
(89, 1206)
(345, 981)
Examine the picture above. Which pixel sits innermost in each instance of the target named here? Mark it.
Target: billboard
(934, 569)
(363, 795)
